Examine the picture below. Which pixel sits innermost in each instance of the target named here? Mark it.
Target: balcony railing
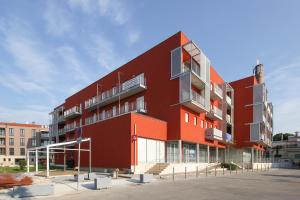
(126, 89)
(45, 135)
(61, 131)
(213, 134)
(72, 112)
(216, 92)
(228, 100)
(199, 99)
(215, 113)
(228, 119)
(61, 119)
(71, 127)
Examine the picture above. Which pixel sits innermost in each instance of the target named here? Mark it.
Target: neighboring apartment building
(15, 138)
(253, 125)
(287, 150)
(167, 105)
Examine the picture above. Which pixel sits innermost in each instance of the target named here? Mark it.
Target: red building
(168, 105)
(253, 114)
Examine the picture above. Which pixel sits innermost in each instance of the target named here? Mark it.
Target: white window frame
(186, 117)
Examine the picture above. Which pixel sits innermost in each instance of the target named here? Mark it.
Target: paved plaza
(273, 184)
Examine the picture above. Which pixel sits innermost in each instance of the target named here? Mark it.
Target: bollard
(247, 168)
(206, 171)
(185, 173)
(230, 168)
(223, 170)
(260, 167)
(257, 167)
(216, 171)
(243, 168)
(197, 172)
(236, 170)
(173, 174)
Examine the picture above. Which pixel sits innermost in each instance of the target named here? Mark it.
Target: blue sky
(51, 49)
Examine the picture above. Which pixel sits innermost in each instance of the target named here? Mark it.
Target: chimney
(258, 71)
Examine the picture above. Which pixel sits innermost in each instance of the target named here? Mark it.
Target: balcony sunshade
(193, 50)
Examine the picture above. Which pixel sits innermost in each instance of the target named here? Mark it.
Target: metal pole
(90, 155)
(36, 162)
(185, 173)
(206, 171)
(27, 161)
(215, 170)
(134, 148)
(197, 172)
(223, 170)
(64, 158)
(47, 162)
(173, 174)
(230, 168)
(78, 167)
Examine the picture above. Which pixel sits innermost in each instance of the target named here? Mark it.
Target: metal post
(206, 171)
(197, 172)
(230, 168)
(27, 161)
(223, 170)
(236, 170)
(64, 158)
(215, 170)
(257, 166)
(261, 167)
(36, 162)
(134, 147)
(90, 155)
(173, 174)
(78, 166)
(47, 162)
(243, 168)
(185, 173)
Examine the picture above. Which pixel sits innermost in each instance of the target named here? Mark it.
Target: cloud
(133, 36)
(58, 20)
(115, 10)
(283, 84)
(24, 115)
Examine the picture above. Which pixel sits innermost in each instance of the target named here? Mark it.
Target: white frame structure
(57, 146)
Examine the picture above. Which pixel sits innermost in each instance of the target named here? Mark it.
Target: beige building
(15, 138)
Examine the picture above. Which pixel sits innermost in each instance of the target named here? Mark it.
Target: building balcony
(45, 135)
(228, 119)
(126, 89)
(71, 127)
(61, 119)
(215, 113)
(61, 131)
(196, 78)
(228, 138)
(216, 92)
(72, 112)
(228, 100)
(213, 134)
(195, 102)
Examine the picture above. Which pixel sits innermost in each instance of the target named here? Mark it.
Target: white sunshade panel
(193, 50)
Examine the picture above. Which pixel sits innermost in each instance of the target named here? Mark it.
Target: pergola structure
(58, 148)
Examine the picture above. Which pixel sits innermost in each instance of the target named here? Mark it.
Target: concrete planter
(80, 178)
(33, 190)
(102, 182)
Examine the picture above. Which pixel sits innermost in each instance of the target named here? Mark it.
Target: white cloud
(283, 84)
(23, 115)
(58, 20)
(115, 10)
(133, 36)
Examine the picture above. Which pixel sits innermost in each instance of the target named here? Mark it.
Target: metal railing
(217, 111)
(228, 118)
(72, 111)
(228, 100)
(218, 90)
(198, 98)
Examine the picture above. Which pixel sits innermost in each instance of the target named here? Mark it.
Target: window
(22, 132)
(11, 151)
(11, 141)
(2, 151)
(186, 117)
(33, 133)
(126, 107)
(2, 141)
(4, 159)
(9, 159)
(202, 123)
(211, 125)
(22, 141)
(11, 132)
(195, 121)
(206, 124)
(33, 142)
(22, 151)
(2, 132)
(114, 111)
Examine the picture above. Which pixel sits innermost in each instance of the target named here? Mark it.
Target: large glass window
(11, 132)
(172, 152)
(33, 133)
(2, 141)
(22, 151)
(189, 152)
(202, 153)
(22, 141)
(2, 151)
(33, 142)
(11, 141)
(2, 132)
(11, 151)
(22, 132)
